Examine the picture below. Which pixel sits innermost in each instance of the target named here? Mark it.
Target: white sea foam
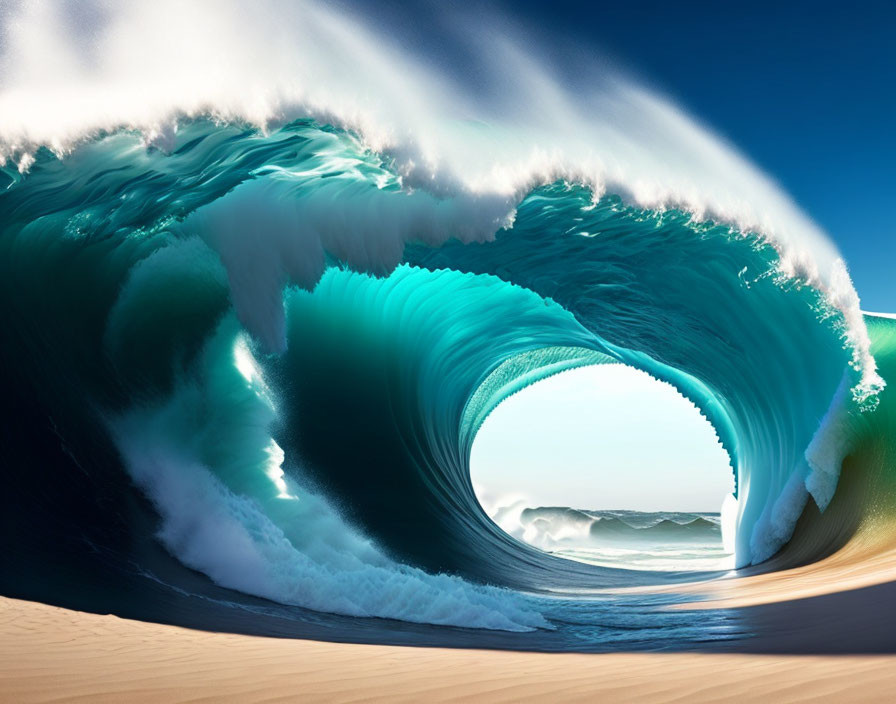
(829, 446)
(229, 510)
(778, 521)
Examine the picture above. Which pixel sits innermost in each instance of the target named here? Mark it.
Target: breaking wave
(256, 314)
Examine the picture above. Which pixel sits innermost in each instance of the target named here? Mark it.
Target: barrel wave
(245, 365)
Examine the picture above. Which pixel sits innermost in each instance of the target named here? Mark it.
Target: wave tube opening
(607, 466)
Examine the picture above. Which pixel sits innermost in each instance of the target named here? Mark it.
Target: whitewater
(265, 274)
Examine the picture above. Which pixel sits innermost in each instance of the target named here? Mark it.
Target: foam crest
(69, 73)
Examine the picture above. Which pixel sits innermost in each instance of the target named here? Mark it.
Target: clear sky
(606, 437)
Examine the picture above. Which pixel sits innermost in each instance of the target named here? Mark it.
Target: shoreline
(53, 654)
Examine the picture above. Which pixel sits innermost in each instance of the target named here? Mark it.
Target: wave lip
(69, 77)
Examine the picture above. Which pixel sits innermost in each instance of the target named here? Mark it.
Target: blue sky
(806, 89)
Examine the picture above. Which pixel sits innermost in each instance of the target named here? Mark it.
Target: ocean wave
(283, 314)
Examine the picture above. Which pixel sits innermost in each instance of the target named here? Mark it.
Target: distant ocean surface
(660, 541)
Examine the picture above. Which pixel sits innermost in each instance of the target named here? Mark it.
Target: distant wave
(668, 530)
(552, 526)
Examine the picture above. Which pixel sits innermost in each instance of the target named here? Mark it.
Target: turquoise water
(263, 358)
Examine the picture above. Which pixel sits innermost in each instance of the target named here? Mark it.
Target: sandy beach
(50, 654)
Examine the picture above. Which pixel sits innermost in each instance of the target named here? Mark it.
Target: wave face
(250, 362)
